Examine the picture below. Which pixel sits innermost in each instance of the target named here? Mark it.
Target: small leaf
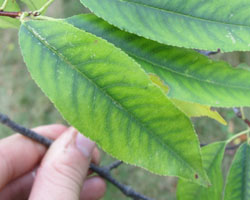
(197, 110)
(190, 109)
(7, 22)
(206, 25)
(238, 179)
(107, 96)
(191, 77)
(212, 158)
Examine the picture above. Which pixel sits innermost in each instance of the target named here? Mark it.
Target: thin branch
(238, 135)
(238, 113)
(10, 14)
(233, 147)
(43, 8)
(114, 165)
(24, 14)
(208, 53)
(101, 171)
(126, 190)
(24, 131)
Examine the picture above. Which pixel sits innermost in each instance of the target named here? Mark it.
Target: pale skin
(29, 171)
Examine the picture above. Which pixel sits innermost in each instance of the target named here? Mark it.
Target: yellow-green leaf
(107, 96)
(189, 108)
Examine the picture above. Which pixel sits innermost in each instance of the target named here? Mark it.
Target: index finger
(19, 154)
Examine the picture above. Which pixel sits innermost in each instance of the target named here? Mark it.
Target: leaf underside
(206, 25)
(238, 180)
(107, 96)
(189, 75)
(212, 155)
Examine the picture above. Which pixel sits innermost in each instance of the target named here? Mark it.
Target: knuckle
(62, 177)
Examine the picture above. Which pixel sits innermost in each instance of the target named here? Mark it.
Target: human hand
(63, 170)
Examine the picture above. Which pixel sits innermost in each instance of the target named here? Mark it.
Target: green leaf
(212, 158)
(34, 4)
(190, 76)
(207, 25)
(190, 109)
(107, 96)
(197, 110)
(238, 180)
(7, 22)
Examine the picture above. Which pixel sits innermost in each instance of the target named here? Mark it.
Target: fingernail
(84, 145)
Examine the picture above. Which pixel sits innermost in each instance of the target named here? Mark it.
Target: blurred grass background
(24, 102)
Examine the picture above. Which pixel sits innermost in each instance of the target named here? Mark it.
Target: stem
(227, 148)
(10, 14)
(23, 15)
(43, 8)
(208, 53)
(114, 165)
(4, 5)
(238, 134)
(242, 113)
(24, 131)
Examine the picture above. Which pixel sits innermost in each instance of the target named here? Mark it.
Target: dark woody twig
(208, 53)
(104, 172)
(114, 165)
(10, 14)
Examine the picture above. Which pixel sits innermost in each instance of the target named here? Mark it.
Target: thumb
(64, 168)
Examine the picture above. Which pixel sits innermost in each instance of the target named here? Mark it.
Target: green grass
(24, 102)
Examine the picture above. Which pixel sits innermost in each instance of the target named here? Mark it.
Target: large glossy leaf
(7, 22)
(208, 25)
(34, 4)
(238, 180)
(190, 76)
(108, 97)
(212, 156)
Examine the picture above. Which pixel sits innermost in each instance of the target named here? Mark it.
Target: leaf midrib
(118, 105)
(184, 15)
